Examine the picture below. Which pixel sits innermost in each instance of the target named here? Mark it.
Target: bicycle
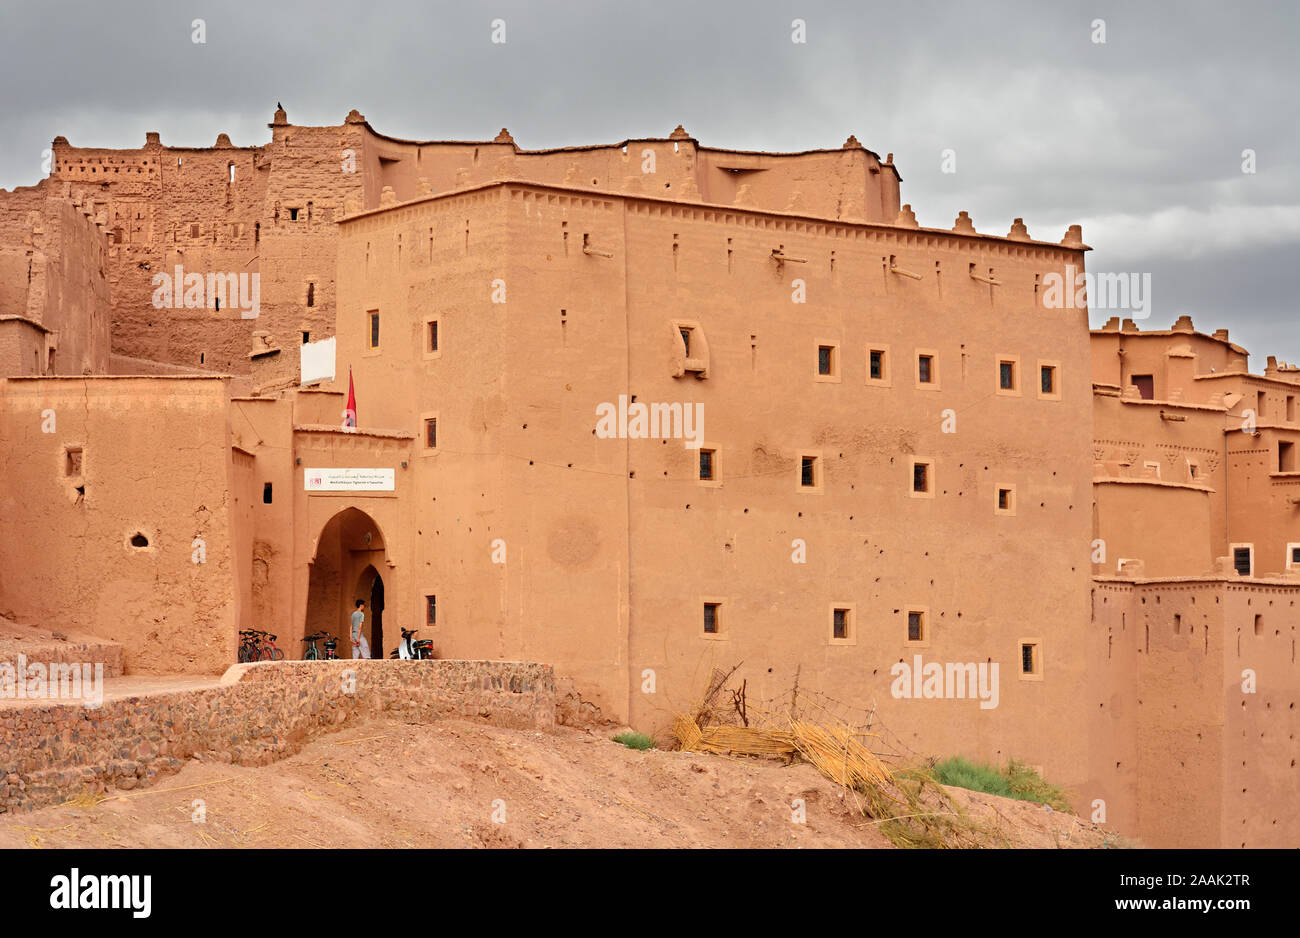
(256, 645)
(312, 653)
(246, 646)
(269, 650)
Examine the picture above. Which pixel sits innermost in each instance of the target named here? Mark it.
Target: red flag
(350, 412)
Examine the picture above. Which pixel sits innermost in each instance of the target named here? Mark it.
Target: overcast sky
(1139, 138)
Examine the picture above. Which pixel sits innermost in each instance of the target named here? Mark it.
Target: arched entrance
(344, 568)
(370, 587)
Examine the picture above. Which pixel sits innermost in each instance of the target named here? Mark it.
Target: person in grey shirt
(360, 647)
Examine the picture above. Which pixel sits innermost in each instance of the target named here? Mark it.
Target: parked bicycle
(256, 645)
(312, 653)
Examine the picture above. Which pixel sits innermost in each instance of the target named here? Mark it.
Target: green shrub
(1017, 780)
(635, 740)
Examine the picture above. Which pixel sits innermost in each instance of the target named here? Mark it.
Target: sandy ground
(387, 784)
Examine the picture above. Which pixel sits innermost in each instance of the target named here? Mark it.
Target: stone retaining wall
(261, 713)
(47, 653)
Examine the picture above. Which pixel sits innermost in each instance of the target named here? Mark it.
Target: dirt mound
(460, 784)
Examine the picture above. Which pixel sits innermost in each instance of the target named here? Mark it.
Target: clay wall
(84, 475)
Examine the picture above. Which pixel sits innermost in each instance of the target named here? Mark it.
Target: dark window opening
(706, 464)
(1049, 379)
(431, 610)
(914, 627)
(920, 477)
(923, 369)
(139, 540)
(808, 471)
(311, 294)
(1146, 385)
(431, 432)
(433, 336)
(840, 624)
(877, 365)
(1007, 376)
(306, 337)
(825, 361)
(1285, 457)
(1295, 555)
(686, 340)
(1241, 560)
(1004, 499)
(1259, 625)
(266, 493)
(711, 618)
(374, 329)
(1028, 662)
(293, 214)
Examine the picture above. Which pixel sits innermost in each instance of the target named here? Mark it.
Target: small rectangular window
(1048, 378)
(920, 477)
(293, 214)
(877, 365)
(430, 610)
(840, 623)
(431, 433)
(1146, 385)
(433, 335)
(1028, 658)
(1007, 375)
(1004, 499)
(915, 626)
(72, 461)
(808, 471)
(923, 368)
(706, 465)
(1241, 560)
(825, 360)
(1259, 624)
(711, 618)
(374, 328)
(266, 493)
(1295, 555)
(686, 340)
(306, 337)
(1285, 457)
(311, 294)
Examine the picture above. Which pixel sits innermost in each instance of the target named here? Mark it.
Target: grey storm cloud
(1139, 138)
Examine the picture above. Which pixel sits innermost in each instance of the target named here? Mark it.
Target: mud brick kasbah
(907, 451)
